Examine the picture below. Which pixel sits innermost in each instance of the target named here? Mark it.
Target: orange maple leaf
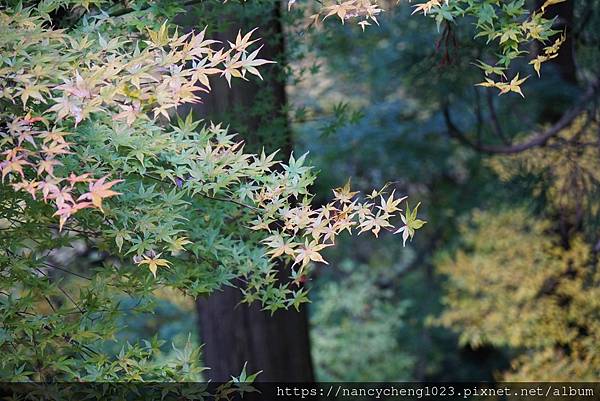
(100, 190)
(66, 210)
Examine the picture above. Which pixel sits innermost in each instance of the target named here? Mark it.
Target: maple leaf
(363, 24)
(426, 7)
(261, 223)
(343, 194)
(56, 135)
(344, 222)
(30, 120)
(74, 179)
(159, 38)
(61, 197)
(490, 69)
(198, 46)
(375, 224)
(265, 162)
(310, 252)
(340, 10)
(537, 63)
(129, 113)
(153, 263)
(512, 86)
(34, 91)
(411, 223)
(319, 225)
(99, 190)
(56, 148)
(242, 42)
(27, 186)
(13, 153)
(344, 219)
(177, 245)
(80, 88)
(232, 65)
(363, 210)
(16, 165)
(66, 106)
(489, 83)
(556, 46)
(49, 187)
(328, 232)
(374, 194)
(250, 62)
(47, 165)
(26, 135)
(281, 246)
(390, 205)
(66, 210)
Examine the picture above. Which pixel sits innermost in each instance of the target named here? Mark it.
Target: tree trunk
(565, 61)
(234, 333)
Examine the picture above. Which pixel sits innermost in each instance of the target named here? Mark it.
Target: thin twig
(64, 292)
(229, 200)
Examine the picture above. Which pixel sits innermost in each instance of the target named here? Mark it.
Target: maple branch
(537, 140)
(51, 226)
(229, 200)
(52, 266)
(76, 230)
(65, 293)
(245, 205)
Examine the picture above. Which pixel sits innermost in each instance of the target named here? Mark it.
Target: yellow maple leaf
(537, 63)
(343, 194)
(513, 86)
(310, 252)
(154, 263)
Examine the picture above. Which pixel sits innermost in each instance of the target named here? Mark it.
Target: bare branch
(539, 139)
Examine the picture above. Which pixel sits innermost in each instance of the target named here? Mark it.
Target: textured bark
(234, 333)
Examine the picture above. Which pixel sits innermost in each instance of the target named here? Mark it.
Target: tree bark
(565, 61)
(232, 333)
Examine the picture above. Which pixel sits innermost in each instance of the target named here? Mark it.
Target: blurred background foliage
(503, 282)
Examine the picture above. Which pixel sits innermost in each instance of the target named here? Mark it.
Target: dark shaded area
(234, 334)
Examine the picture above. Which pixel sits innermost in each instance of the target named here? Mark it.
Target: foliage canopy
(91, 159)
